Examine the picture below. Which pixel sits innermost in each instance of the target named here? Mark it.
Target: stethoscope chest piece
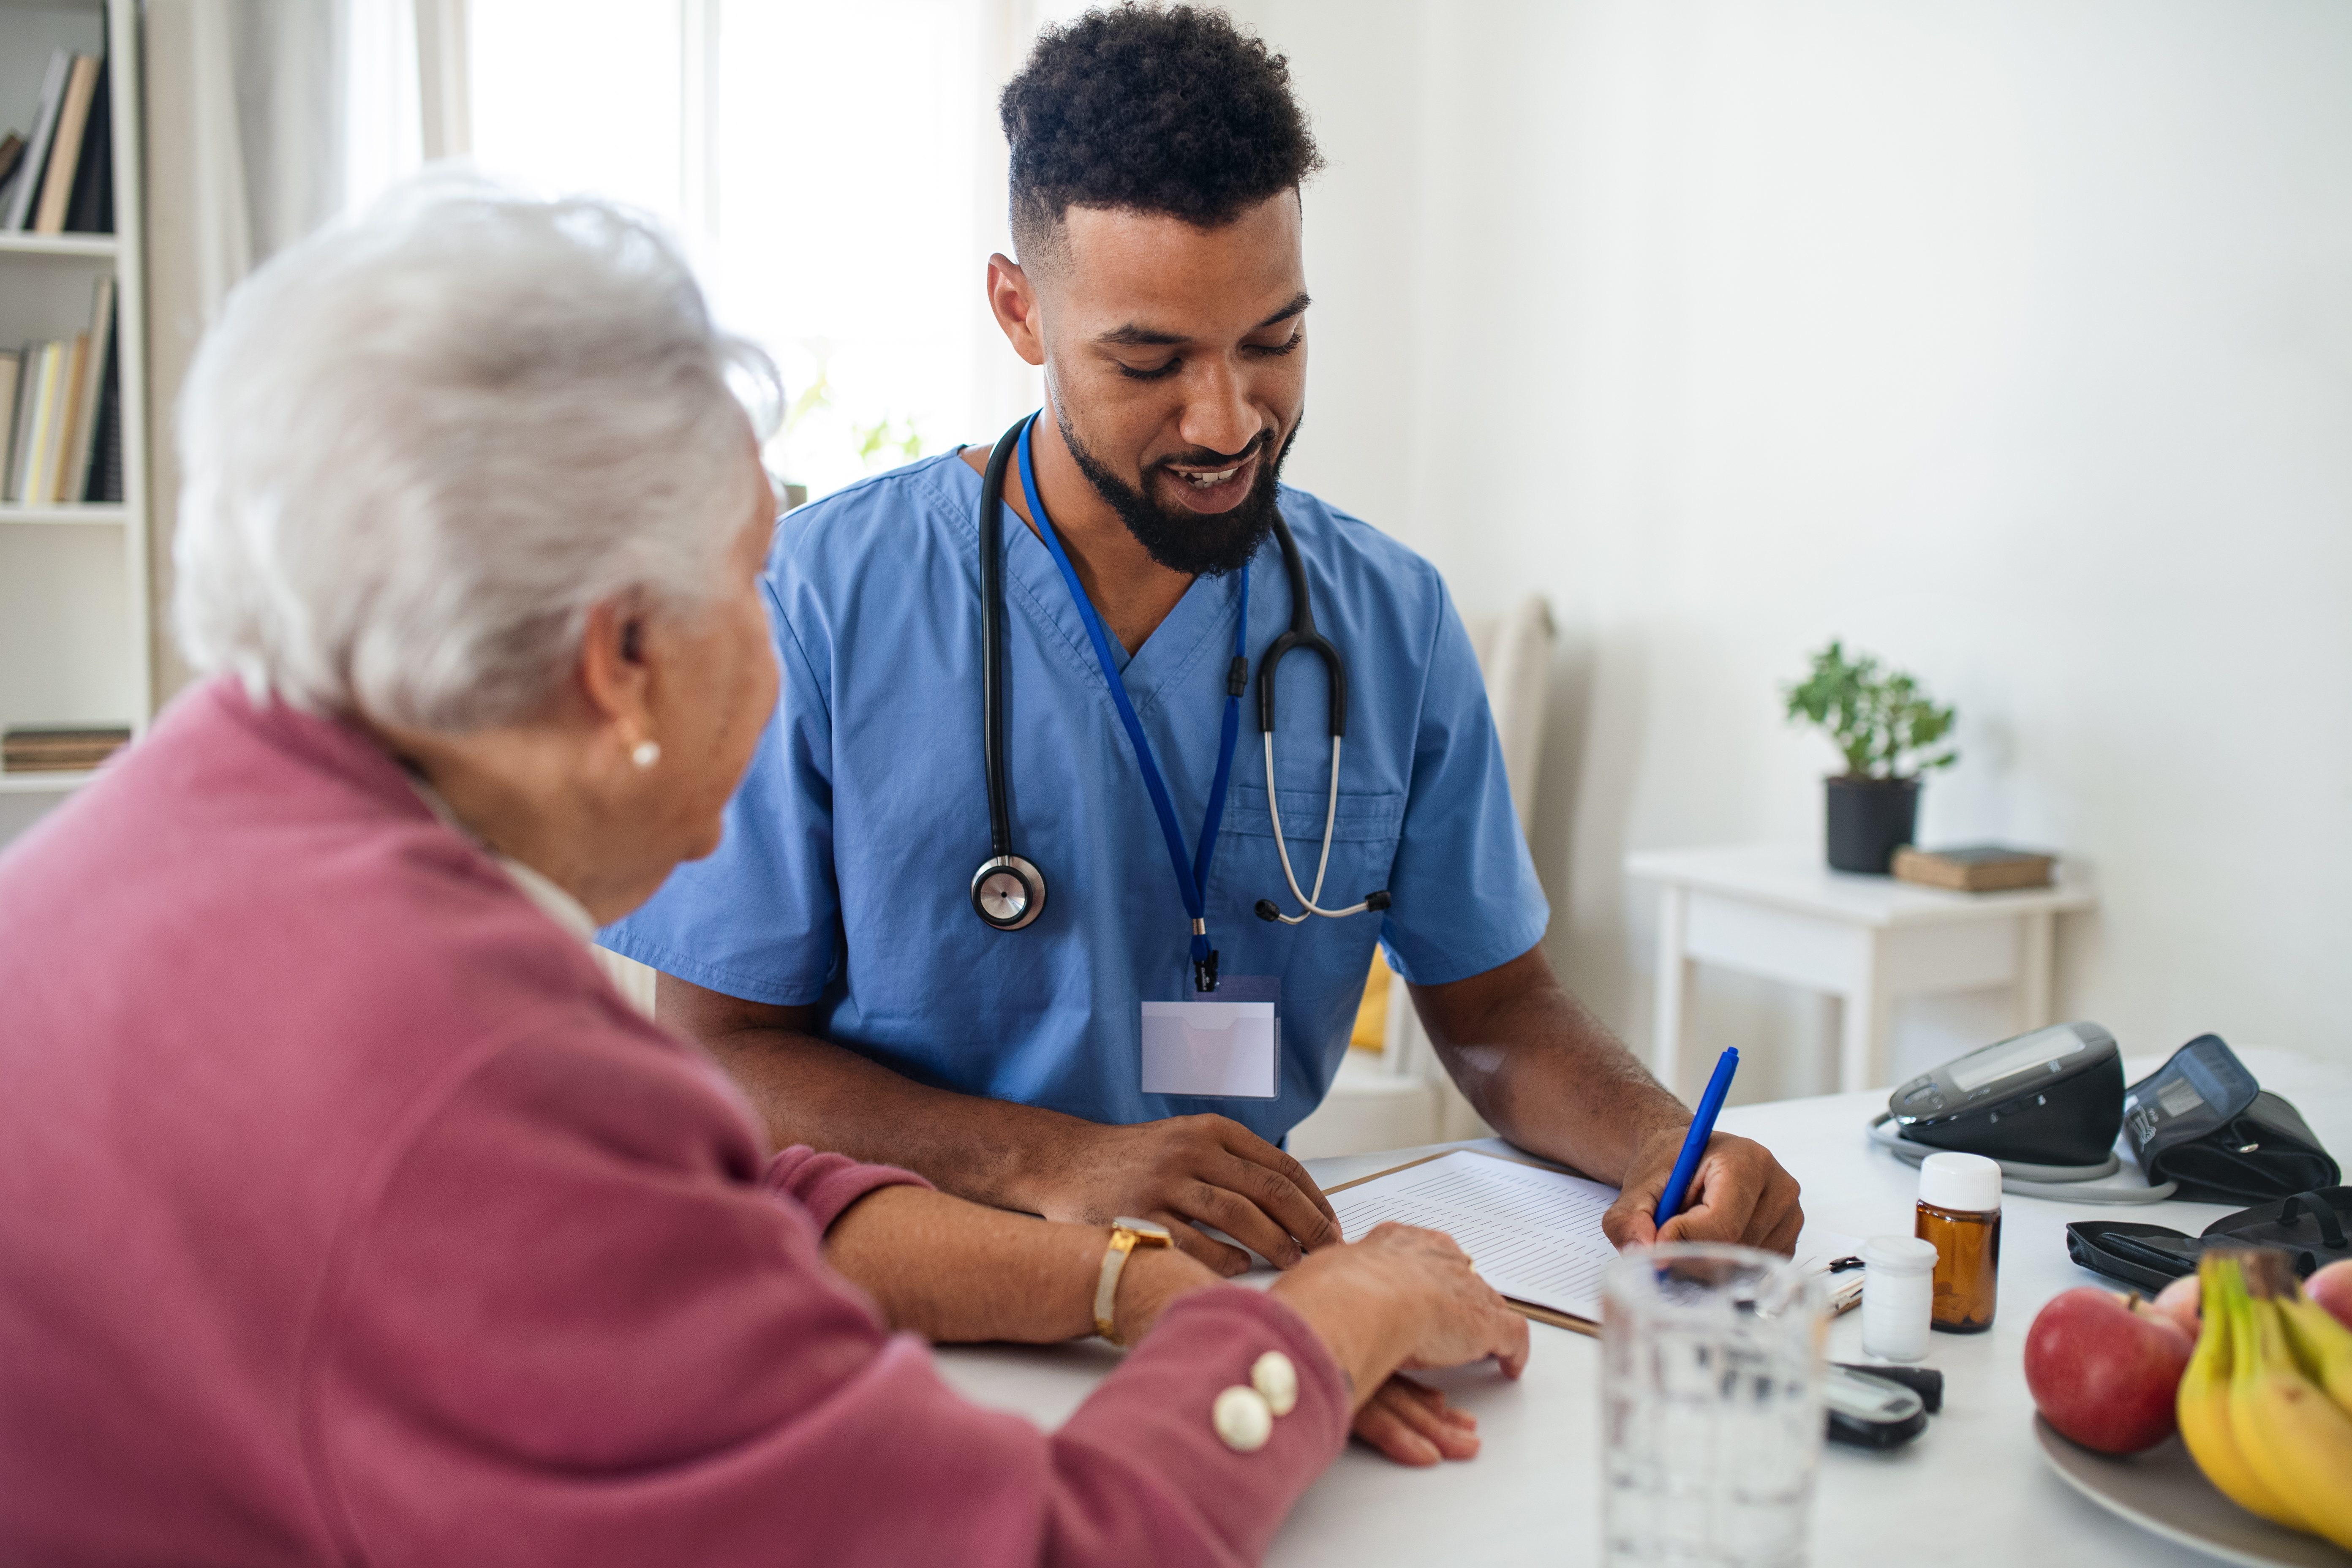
(1008, 892)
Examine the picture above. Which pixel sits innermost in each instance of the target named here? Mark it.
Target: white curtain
(265, 119)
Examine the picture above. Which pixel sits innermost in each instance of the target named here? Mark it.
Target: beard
(1198, 545)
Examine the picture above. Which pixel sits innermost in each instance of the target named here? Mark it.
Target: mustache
(1201, 458)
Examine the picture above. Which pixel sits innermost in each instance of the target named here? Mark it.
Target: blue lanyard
(1192, 874)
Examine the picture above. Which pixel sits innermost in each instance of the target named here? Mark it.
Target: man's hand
(1193, 1171)
(1740, 1194)
(1412, 1424)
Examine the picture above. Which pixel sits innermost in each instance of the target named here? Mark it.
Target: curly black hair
(1170, 111)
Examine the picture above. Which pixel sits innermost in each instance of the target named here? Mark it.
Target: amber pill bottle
(1959, 1212)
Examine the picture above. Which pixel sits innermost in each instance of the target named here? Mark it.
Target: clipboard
(1822, 1251)
(1527, 1309)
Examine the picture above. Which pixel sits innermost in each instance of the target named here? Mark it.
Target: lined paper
(1532, 1233)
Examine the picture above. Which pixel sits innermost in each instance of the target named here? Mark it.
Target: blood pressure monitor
(2053, 1097)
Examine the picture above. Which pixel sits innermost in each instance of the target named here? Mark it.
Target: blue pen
(1701, 1128)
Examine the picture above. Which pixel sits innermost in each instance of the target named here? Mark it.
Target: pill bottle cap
(1969, 1184)
(1885, 1255)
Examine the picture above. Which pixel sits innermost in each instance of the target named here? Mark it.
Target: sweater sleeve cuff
(825, 1184)
(1151, 1424)
(1325, 1393)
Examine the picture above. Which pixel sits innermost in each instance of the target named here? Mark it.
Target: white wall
(2011, 341)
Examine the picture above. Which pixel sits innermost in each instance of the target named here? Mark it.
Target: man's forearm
(1545, 1072)
(1552, 1079)
(810, 1090)
(1188, 1173)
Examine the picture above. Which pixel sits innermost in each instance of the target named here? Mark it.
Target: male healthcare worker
(839, 954)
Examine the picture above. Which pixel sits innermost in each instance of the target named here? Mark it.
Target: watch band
(1126, 1236)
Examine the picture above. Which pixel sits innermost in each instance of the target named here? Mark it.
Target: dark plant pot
(1869, 820)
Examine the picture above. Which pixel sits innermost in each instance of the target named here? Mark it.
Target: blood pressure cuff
(2310, 1226)
(2201, 1121)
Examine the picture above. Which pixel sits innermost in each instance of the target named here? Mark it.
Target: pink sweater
(347, 1214)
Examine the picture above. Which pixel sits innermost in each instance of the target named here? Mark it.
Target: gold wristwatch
(1126, 1236)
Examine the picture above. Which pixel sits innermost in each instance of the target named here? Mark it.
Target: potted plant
(1886, 725)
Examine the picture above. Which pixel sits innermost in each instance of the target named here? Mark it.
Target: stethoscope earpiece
(1270, 911)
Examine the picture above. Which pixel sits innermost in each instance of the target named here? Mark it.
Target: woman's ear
(615, 678)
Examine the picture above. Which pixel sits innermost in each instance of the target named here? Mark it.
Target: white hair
(419, 447)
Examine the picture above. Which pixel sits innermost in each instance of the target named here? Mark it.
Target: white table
(1783, 913)
(1972, 1490)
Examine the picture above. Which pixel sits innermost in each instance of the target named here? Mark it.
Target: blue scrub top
(844, 876)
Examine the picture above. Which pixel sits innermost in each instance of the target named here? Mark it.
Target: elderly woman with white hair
(347, 1213)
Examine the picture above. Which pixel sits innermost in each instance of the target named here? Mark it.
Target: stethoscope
(1008, 891)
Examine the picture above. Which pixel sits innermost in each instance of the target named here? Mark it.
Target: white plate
(2165, 1493)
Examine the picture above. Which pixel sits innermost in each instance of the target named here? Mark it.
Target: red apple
(2332, 1288)
(2180, 1302)
(2103, 1369)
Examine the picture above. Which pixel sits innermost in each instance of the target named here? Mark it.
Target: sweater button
(1241, 1419)
(1273, 1376)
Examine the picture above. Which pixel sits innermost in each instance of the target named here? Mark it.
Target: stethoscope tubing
(1281, 847)
(992, 637)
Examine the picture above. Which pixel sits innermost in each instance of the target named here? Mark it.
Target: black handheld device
(1867, 1411)
(1924, 1380)
(2052, 1097)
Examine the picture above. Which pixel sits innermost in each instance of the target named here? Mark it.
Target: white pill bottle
(1898, 1297)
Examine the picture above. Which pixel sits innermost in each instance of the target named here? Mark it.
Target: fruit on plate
(2104, 1369)
(2332, 1288)
(2322, 1347)
(2178, 1301)
(2205, 1414)
(2263, 1405)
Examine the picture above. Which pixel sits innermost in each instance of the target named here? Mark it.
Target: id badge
(1226, 1046)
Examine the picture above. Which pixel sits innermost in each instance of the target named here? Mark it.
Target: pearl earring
(645, 753)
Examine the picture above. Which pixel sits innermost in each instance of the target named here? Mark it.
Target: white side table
(1780, 912)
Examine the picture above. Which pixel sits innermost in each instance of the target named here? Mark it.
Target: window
(835, 171)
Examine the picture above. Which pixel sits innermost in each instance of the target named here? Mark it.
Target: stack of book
(63, 440)
(1974, 867)
(60, 179)
(57, 749)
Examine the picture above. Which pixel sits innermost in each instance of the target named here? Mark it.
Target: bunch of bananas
(2266, 1403)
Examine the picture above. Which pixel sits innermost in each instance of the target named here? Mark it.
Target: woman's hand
(1410, 1423)
(1465, 1318)
(1151, 1283)
(1402, 1297)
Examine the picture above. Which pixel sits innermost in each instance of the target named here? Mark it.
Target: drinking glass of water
(1711, 1392)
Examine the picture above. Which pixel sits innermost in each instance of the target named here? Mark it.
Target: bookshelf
(75, 622)
(39, 784)
(98, 245)
(86, 513)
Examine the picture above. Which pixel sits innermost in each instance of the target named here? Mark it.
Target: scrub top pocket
(1364, 834)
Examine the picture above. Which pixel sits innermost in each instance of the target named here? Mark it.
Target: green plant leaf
(1875, 721)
